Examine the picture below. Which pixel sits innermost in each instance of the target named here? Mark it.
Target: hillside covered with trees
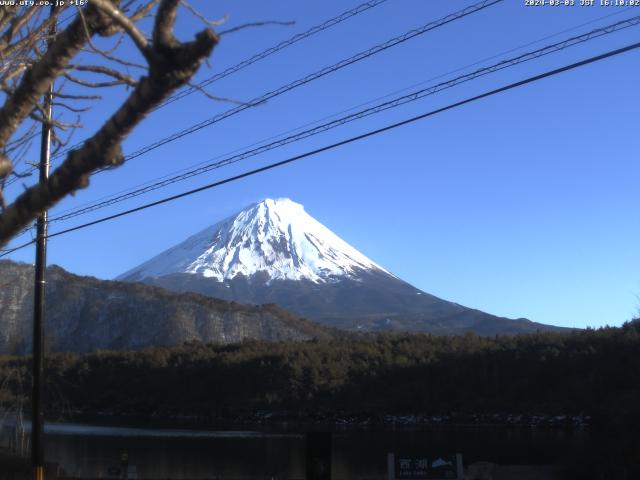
(588, 374)
(548, 373)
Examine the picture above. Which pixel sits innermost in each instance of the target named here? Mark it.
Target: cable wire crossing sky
(516, 196)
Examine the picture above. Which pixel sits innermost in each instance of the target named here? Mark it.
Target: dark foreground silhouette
(589, 375)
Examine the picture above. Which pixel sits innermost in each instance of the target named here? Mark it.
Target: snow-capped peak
(273, 236)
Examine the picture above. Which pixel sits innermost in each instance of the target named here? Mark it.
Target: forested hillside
(592, 374)
(547, 373)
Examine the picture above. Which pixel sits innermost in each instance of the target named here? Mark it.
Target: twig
(88, 84)
(143, 11)
(76, 97)
(254, 24)
(126, 24)
(200, 16)
(216, 98)
(111, 72)
(70, 108)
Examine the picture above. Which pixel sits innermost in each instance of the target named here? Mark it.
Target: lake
(84, 450)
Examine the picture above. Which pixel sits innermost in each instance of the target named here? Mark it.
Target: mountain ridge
(274, 252)
(84, 314)
(358, 305)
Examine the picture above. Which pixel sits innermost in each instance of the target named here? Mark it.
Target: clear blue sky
(522, 205)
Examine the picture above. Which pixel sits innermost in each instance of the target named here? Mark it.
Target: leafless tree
(85, 52)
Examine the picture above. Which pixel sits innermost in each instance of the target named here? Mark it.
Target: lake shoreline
(312, 421)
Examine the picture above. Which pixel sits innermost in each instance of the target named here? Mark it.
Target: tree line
(580, 372)
(588, 372)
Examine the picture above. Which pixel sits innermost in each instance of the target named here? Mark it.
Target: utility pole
(37, 406)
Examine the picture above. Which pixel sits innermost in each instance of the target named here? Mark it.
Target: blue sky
(522, 205)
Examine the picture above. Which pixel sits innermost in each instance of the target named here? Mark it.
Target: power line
(402, 100)
(314, 76)
(271, 50)
(9, 251)
(331, 22)
(353, 139)
(205, 163)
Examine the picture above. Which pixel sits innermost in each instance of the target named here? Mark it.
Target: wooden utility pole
(37, 405)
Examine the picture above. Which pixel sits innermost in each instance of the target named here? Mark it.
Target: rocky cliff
(85, 314)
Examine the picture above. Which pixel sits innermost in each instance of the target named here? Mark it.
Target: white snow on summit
(274, 236)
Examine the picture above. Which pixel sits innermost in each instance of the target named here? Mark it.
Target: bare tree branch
(111, 72)
(6, 14)
(254, 24)
(86, 83)
(199, 88)
(53, 123)
(143, 11)
(38, 78)
(71, 108)
(105, 54)
(28, 41)
(6, 167)
(16, 24)
(171, 65)
(12, 145)
(163, 27)
(76, 97)
(125, 23)
(201, 17)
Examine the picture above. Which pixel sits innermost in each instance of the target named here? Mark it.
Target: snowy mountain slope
(275, 237)
(274, 252)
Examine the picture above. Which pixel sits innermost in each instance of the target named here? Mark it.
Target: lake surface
(179, 453)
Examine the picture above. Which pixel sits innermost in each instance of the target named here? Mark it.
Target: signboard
(425, 467)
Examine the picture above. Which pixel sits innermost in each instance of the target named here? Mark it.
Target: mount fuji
(275, 252)
(274, 238)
